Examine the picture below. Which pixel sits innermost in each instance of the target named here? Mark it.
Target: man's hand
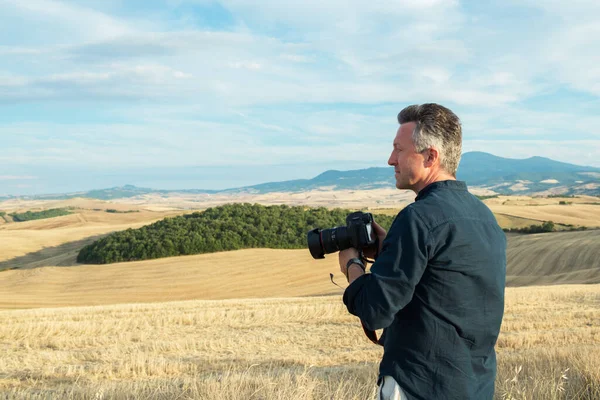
(355, 270)
(381, 234)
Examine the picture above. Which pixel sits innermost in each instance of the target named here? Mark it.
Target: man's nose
(391, 160)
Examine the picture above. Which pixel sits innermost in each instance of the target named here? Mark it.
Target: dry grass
(539, 201)
(510, 221)
(551, 258)
(246, 273)
(323, 197)
(279, 348)
(22, 238)
(300, 348)
(542, 259)
(574, 214)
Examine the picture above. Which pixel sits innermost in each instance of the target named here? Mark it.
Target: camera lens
(314, 244)
(333, 239)
(326, 241)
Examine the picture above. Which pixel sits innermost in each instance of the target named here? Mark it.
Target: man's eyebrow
(396, 144)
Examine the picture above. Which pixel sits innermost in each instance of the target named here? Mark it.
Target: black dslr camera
(357, 233)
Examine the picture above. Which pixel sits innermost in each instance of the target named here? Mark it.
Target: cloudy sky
(215, 94)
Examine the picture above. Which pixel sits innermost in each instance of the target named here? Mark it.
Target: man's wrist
(354, 272)
(357, 267)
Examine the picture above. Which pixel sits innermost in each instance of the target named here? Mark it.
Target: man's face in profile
(407, 163)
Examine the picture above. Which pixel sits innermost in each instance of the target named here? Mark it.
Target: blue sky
(101, 92)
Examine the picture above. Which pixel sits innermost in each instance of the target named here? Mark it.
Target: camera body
(357, 233)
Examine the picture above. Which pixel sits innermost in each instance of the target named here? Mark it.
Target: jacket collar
(450, 184)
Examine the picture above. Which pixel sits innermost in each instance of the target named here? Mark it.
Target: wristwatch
(357, 261)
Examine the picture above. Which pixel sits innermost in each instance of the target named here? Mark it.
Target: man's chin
(403, 186)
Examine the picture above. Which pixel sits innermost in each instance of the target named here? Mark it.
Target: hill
(228, 227)
(38, 241)
(553, 258)
(550, 258)
(45, 214)
(534, 175)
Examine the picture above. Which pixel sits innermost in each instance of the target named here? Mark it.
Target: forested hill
(228, 227)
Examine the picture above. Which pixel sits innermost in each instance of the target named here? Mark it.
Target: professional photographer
(437, 284)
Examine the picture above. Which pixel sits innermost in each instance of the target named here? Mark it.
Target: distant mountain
(120, 192)
(535, 175)
(480, 168)
(360, 179)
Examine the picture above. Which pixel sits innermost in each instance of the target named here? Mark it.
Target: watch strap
(357, 261)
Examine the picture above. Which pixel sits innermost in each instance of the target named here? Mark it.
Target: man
(437, 285)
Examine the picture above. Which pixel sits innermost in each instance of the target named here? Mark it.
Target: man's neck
(440, 176)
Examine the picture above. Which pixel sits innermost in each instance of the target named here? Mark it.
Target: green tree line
(546, 226)
(31, 215)
(223, 228)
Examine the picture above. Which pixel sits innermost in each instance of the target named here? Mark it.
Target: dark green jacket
(438, 290)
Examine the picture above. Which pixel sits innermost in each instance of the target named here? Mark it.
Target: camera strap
(372, 335)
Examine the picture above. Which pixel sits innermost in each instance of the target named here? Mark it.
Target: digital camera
(357, 233)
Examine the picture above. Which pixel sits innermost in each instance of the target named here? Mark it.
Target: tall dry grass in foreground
(302, 348)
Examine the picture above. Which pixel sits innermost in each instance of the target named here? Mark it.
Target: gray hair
(437, 127)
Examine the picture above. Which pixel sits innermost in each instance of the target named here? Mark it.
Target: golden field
(259, 273)
(54, 244)
(280, 348)
(583, 210)
(264, 324)
(88, 221)
(251, 273)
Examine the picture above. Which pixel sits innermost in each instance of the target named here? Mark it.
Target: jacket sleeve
(376, 297)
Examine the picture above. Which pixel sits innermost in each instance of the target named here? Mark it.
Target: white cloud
(68, 21)
(17, 177)
(574, 54)
(295, 80)
(162, 144)
(296, 58)
(340, 14)
(245, 65)
(239, 68)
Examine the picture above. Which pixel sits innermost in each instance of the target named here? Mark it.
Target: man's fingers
(342, 264)
(379, 231)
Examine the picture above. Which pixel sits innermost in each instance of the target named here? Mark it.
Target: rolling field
(25, 238)
(584, 210)
(275, 349)
(576, 214)
(260, 323)
(523, 211)
(553, 258)
(251, 273)
(260, 273)
(563, 257)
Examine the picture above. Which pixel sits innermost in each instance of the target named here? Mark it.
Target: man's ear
(431, 157)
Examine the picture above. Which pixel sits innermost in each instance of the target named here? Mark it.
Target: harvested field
(547, 258)
(271, 349)
(20, 239)
(251, 273)
(553, 258)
